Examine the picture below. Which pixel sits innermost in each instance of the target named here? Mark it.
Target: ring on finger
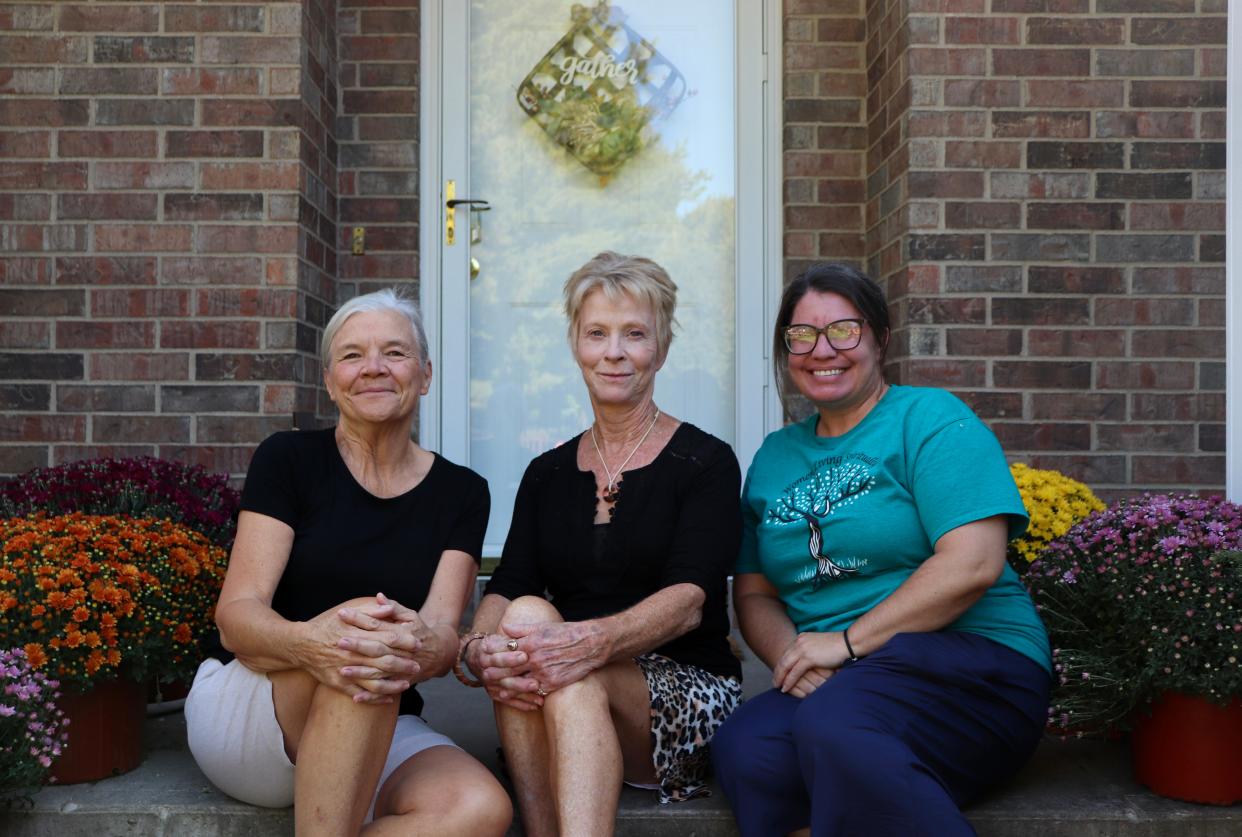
(512, 645)
(541, 691)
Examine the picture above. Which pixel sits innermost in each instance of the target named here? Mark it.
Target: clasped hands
(521, 666)
(374, 650)
(808, 662)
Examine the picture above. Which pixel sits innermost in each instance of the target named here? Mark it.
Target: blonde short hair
(388, 299)
(614, 274)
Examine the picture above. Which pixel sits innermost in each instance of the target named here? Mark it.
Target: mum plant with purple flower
(1142, 598)
(32, 729)
(140, 486)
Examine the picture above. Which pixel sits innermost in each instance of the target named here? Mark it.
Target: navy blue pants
(892, 744)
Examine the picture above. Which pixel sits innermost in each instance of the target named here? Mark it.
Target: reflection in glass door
(609, 127)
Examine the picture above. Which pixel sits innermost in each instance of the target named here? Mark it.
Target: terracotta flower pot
(105, 732)
(1188, 749)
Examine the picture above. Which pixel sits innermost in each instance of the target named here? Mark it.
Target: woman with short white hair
(340, 529)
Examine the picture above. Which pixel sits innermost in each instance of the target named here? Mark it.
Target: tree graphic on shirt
(832, 486)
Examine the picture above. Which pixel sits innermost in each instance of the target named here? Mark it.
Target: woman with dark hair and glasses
(910, 669)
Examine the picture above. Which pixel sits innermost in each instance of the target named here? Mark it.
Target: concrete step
(1071, 789)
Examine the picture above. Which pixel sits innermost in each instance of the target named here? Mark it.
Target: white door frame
(1233, 262)
(443, 271)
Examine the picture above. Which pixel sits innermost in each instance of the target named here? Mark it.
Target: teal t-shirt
(837, 524)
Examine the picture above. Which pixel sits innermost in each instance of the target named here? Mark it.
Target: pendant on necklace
(612, 494)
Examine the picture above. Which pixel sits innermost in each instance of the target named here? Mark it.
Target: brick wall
(825, 135)
(1066, 205)
(378, 134)
(166, 196)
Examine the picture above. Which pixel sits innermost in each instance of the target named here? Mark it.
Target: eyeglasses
(841, 335)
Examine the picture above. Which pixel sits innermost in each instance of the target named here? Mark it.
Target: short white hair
(388, 299)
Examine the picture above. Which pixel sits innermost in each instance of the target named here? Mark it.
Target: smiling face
(836, 381)
(375, 374)
(616, 348)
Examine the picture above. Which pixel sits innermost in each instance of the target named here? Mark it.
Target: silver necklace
(611, 495)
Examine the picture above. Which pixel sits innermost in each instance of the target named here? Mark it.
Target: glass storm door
(555, 131)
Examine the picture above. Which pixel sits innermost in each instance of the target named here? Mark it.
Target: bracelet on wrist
(849, 648)
(459, 669)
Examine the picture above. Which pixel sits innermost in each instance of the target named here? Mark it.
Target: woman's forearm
(660, 618)
(966, 563)
(259, 637)
(765, 625)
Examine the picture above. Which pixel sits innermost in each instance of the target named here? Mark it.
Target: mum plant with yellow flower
(88, 596)
(1054, 503)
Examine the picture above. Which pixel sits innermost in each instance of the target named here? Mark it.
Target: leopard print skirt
(688, 704)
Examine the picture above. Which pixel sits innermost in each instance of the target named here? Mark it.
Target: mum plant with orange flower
(88, 596)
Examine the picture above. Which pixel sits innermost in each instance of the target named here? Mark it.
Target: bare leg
(330, 737)
(593, 731)
(441, 791)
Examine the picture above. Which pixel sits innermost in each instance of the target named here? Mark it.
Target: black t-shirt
(677, 520)
(347, 542)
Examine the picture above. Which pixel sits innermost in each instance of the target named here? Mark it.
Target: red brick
(1041, 62)
(981, 30)
(934, 61)
(251, 50)
(216, 459)
(984, 341)
(142, 237)
(25, 144)
(1075, 94)
(206, 334)
(1077, 215)
(1145, 124)
(44, 49)
(110, 18)
(1176, 94)
(143, 49)
(982, 93)
(1043, 436)
(1201, 343)
(1178, 407)
(982, 215)
(1076, 280)
(1179, 280)
(73, 453)
(381, 128)
(27, 17)
(215, 143)
(246, 429)
(155, 176)
(23, 334)
(197, 81)
(144, 112)
(1165, 470)
(140, 303)
(213, 19)
(947, 124)
(1031, 310)
(107, 429)
(245, 302)
(78, 334)
(1038, 374)
(983, 154)
(18, 428)
(1177, 216)
(247, 239)
(44, 113)
(25, 207)
(1145, 375)
(390, 21)
(28, 81)
(403, 48)
(1177, 155)
(388, 75)
(95, 80)
(946, 373)
(1078, 405)
(822, 218)
(213, 206)
(1062, 342)
(97, 144)
(1061, 30)
(25, 271)
(113, 207)
(945, 184)
(1054, 124)
(258, 176)
(101, 270)
(252, 112)
(1193, 30)
(1145, 62)
(139, 366)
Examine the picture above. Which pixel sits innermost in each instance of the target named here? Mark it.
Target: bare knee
(530, 610)
(483, 809)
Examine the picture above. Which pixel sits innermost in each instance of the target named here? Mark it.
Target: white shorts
(235, 739)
